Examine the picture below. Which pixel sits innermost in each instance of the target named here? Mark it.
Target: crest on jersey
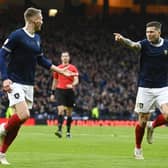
(165, 52)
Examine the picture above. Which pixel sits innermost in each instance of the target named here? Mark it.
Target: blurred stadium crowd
(108, 71)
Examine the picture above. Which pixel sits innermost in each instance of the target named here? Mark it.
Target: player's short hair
(65, 51)
(155, 24)
(30, 12)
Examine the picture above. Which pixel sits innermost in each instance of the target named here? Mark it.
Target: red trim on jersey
(63, 81)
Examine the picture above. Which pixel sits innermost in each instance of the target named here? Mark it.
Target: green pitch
(90, 147)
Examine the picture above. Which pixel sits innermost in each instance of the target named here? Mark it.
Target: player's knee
(27, 116)
(68, 114)
(61, 112)
(24, 116)
(143, 120)
(165, 115)
(142, 123)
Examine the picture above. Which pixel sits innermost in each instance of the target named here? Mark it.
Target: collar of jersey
(30, 35)
(159, 44)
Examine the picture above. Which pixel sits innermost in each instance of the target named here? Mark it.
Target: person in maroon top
(63, 91)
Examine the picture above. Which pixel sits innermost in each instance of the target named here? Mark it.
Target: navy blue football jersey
(153, 64)
(24, 52)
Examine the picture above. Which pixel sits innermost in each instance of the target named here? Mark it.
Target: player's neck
(157, 41)
(29, 29)
(65, 64)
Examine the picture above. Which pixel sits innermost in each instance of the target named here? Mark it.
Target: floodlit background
(108, 72)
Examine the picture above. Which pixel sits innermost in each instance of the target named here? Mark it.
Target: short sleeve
(76, 71)
(143, 43)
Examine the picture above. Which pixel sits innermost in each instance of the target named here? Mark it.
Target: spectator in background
(95, 113)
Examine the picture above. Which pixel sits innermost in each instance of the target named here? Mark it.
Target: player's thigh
(61, 109)
(143, 118)
(69, 111)
(22, 110)
(145, 101)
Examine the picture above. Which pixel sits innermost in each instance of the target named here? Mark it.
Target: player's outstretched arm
(44, 62)
(127, 42)
(63, 71)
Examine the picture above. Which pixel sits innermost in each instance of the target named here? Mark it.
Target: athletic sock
(160, 120)
(69, 121)
(139, 133)
(60, 122)
(9, 138)
(13, 122)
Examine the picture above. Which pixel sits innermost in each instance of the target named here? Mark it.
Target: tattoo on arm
(131, 44)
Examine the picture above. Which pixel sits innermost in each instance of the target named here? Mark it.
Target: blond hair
(30, 12)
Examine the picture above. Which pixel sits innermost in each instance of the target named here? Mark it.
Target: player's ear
(28, 19)
(32, 20)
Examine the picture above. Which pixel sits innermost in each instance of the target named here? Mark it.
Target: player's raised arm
(127, 42)
(44, 62)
